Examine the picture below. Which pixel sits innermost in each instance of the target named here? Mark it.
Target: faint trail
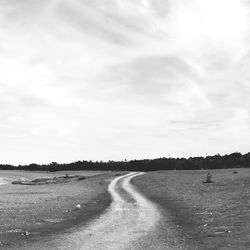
(130, 217)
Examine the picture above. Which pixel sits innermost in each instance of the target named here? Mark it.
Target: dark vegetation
(208, 178)
(234, 160)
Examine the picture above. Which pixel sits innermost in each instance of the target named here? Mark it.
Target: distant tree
(53, 166)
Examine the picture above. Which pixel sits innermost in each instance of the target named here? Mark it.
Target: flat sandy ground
(48, 209)
(205, 216)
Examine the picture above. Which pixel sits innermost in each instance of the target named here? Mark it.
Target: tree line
(234, 160)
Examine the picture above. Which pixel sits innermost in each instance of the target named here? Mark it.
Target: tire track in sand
(129, 218)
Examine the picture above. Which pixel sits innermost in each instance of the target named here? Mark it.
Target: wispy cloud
(123, 79)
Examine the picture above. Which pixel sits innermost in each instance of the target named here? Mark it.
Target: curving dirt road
(124, 225)
(129, 218)
(131, 222)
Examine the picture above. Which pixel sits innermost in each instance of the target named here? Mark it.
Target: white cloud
(123, 79)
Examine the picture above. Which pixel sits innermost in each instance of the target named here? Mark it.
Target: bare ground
(205, 216)
(31, 213)
(126, 224)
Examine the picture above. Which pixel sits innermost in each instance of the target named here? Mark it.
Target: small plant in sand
(208, 178)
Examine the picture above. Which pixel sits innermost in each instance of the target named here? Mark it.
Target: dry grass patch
(207, 216)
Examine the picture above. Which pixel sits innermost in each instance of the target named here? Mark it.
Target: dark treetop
(234, 160)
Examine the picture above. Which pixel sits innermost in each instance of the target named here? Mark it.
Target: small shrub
(235, 172)
(208, 178)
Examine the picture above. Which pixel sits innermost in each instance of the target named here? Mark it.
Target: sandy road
(131, 222)
(126, 223)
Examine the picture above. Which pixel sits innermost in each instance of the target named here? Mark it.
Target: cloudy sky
(116, 79)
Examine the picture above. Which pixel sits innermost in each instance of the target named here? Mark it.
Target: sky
(115, 79)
